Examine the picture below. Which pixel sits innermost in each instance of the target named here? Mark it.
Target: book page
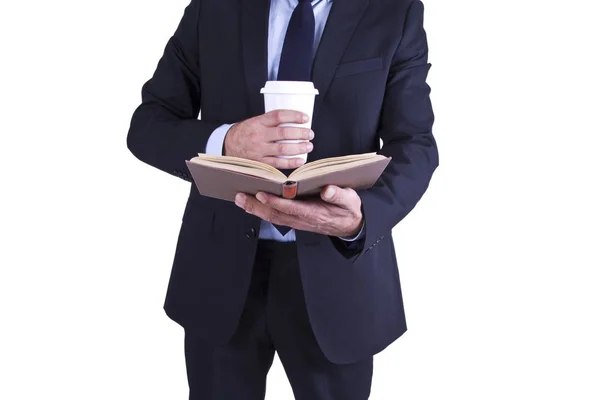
(325, 162)
(241, 165)
(326, 165)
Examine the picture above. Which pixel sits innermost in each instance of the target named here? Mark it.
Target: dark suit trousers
(274, 319)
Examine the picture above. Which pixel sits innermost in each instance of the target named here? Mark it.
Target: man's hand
(255, 139)
(337, 213)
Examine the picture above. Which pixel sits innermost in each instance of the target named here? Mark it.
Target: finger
(283, 163)
(289, 133)
(287, 206)
(278, 117)
(289, 149)
(341, 197)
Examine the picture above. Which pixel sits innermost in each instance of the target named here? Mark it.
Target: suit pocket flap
(359, 67)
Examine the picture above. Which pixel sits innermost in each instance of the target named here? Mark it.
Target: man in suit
(315, 280)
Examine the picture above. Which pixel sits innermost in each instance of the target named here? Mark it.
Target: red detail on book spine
(290, 189)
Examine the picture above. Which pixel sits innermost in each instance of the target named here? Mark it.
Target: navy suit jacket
(370, 69)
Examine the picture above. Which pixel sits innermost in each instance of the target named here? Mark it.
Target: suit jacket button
(251, 233)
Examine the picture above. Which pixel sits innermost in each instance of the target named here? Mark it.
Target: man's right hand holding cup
(257, 139)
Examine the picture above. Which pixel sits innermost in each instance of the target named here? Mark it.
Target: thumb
(334, 195)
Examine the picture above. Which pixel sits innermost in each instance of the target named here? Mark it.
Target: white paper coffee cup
(291, 95)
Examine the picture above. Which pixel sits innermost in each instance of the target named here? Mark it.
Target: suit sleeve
(406, 131)
(164, 130)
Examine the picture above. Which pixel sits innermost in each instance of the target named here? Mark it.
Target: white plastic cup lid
(289, 87)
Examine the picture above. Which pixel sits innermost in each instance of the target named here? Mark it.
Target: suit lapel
(341, 23)
(255, 20)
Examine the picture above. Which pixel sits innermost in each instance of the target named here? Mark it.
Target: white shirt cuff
(214, 146)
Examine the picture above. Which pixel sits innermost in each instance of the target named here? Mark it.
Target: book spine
(290, 189)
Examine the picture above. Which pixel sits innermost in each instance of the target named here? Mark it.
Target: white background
(499, 262)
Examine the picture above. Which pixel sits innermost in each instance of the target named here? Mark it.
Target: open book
(223, 177)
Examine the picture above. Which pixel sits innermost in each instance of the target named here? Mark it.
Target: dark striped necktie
(296, 56)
